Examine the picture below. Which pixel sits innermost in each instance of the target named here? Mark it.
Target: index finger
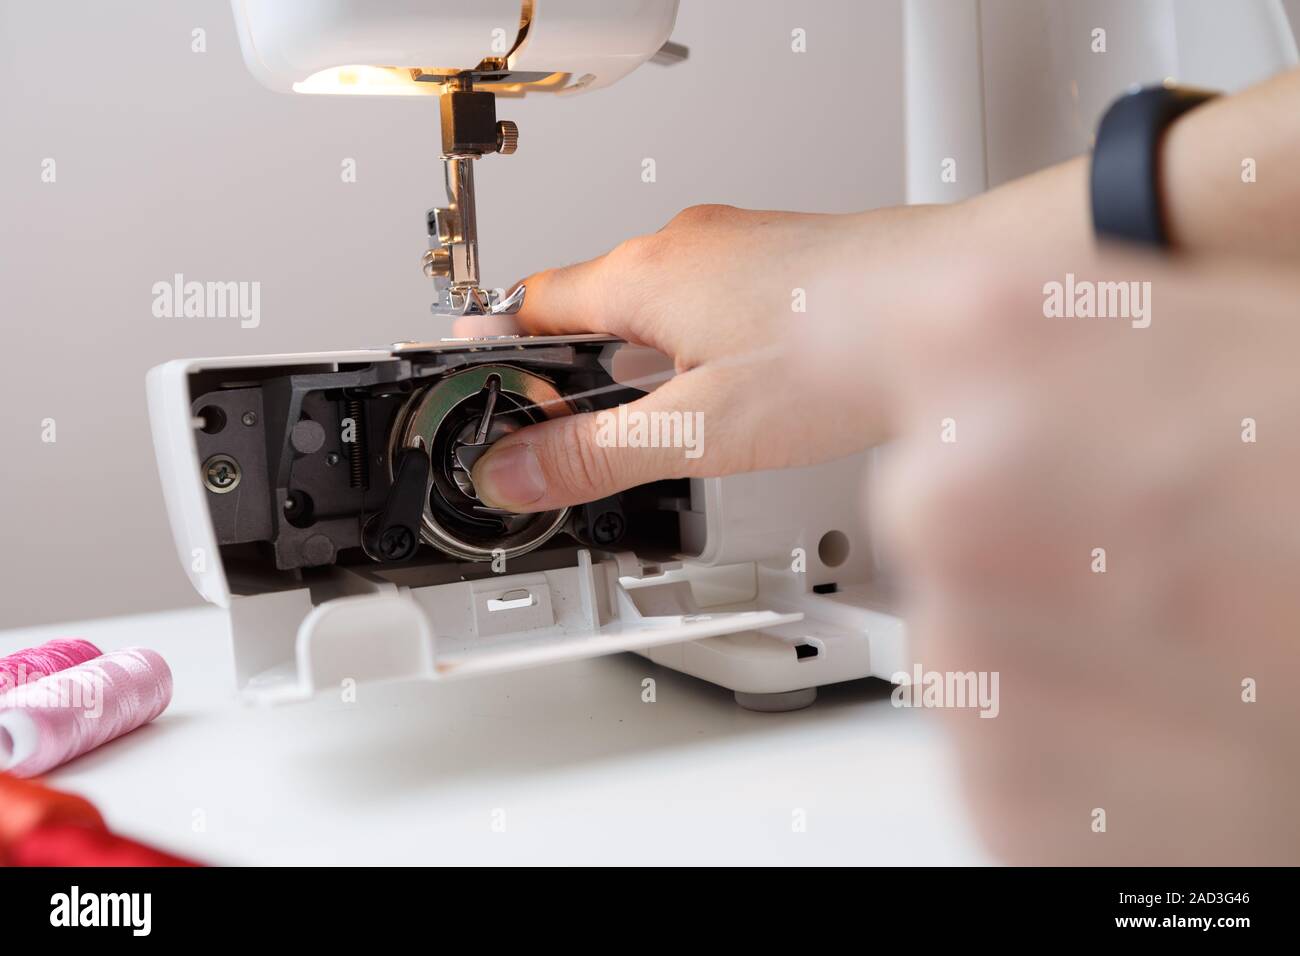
(568, 300)
(620, 293)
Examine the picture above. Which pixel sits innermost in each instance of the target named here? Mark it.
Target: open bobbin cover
(325, 501)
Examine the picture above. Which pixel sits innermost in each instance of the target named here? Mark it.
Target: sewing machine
(325, 499)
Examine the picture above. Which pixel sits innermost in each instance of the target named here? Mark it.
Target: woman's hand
(1106, 516)
(733, 297)
(1114, 529)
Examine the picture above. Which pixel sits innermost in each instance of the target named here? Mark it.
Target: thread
(26, 805)
(67, 844)
(50, 721)
(33, 663)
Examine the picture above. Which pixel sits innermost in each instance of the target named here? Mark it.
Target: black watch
(1126, 162)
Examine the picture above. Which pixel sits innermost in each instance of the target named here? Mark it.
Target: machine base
(777, 703)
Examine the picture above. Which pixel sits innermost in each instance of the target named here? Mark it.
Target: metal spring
(357, 451)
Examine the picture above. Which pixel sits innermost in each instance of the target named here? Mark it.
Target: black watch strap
(1126, 162)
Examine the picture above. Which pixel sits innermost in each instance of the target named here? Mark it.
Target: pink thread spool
(33, 663)
(48, 722)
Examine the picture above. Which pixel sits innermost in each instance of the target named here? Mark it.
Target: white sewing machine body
(727, 594)
(767, 584)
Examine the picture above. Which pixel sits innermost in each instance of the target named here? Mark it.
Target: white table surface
(568, 757)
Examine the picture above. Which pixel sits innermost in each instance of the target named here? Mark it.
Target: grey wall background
(170, 161)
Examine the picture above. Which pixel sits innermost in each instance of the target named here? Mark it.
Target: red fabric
(67, 844)
(28, 804)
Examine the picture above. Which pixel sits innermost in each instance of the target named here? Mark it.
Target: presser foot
(455, 303)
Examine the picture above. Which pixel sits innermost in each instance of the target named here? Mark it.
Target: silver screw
(249, 419)
(221, 474)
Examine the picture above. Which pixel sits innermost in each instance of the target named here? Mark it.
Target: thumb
(579, 458)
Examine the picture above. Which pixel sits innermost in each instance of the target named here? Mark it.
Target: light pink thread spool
(48, 722)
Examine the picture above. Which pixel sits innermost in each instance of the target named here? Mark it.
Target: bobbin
(456, 420)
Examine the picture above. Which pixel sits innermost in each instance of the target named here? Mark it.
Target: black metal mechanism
(469, 120)
(601, 523)
(313, 492)
(394, 533)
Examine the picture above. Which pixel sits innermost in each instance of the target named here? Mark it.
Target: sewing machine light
(364, 80)
(409, 47)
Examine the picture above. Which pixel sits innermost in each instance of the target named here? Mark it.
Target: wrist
(1129, 191)
(1046, 209)
(907, 232)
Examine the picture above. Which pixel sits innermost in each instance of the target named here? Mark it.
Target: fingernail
(510, 478)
